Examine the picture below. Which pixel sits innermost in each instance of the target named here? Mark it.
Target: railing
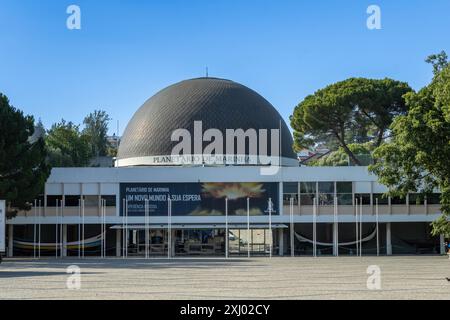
(68, 212)
(366, 209)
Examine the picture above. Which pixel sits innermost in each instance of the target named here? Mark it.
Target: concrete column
(442, 244)
(281, 242)
(388, 239)
(64, 240)
(335, 247)
(118, 243)
(10, 240)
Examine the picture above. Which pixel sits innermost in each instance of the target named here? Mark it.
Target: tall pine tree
(23, 168)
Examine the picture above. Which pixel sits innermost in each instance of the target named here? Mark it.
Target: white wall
(206, 174)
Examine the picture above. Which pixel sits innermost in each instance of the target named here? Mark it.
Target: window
(344, 193)
(39, 199)
(398, 200)
(416, 199)
(91, 201)
(365, 197)
(434, 198)
(326, 193)
(71, 201)
(290, 190)
(308, 187)
(52, 201)
(382, 199)
(287, 198)
(345, 199)
(326, 199)
(344, 187)
(307, 193)
(110, 200)
(307, 199)
(326, 187)
(290, 187)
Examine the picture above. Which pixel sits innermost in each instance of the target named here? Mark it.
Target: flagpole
(336, 226)
(83, 227)
(270, 227)
(103, 212)
(39, 228)
(56, 229)
(34, 230)
(314, 228)
(357, 229)
(123, 228)
(376, 216)
(79, 228)
(169, 229)
(360, 225)
(61, 221)
(101, 228)
(105, 252)
(126, 228)
(226, 229)
(147, 229)
(248, 227)
(291, 202)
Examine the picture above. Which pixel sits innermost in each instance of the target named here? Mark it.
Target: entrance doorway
(200, 242)
(157, 244)
(257, 242)
(208, 241)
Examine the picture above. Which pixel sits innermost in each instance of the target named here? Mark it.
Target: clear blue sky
(128, 50)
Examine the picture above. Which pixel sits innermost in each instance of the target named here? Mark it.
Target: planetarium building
(205, 168)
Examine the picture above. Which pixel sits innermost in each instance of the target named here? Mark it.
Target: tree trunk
(379, 137)
(351, 155)
(347, 150)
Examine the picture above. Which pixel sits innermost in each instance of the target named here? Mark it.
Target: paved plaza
(402, 277)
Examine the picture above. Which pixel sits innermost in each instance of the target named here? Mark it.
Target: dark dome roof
(218, 103)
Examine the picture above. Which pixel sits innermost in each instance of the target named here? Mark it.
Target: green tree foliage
(23, 169)
(339, 158)
(417, 157)
(67, 146)
(356, 110)
(438, 61)
(112, 150)
(96, 130)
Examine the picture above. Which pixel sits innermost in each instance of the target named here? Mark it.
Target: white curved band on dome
(208, 160)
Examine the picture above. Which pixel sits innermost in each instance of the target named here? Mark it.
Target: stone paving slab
(402, 277)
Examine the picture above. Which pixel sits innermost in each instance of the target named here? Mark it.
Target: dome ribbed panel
(218, 103)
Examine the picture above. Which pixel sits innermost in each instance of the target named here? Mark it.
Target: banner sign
(199, 199)
(2, 225)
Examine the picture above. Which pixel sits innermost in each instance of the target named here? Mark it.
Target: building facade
(86, 203)
(152, 205)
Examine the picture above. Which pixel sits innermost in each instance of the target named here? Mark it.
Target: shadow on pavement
(131, 263)
(26, 274)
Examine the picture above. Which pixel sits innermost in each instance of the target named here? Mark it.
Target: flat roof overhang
(186, 226)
